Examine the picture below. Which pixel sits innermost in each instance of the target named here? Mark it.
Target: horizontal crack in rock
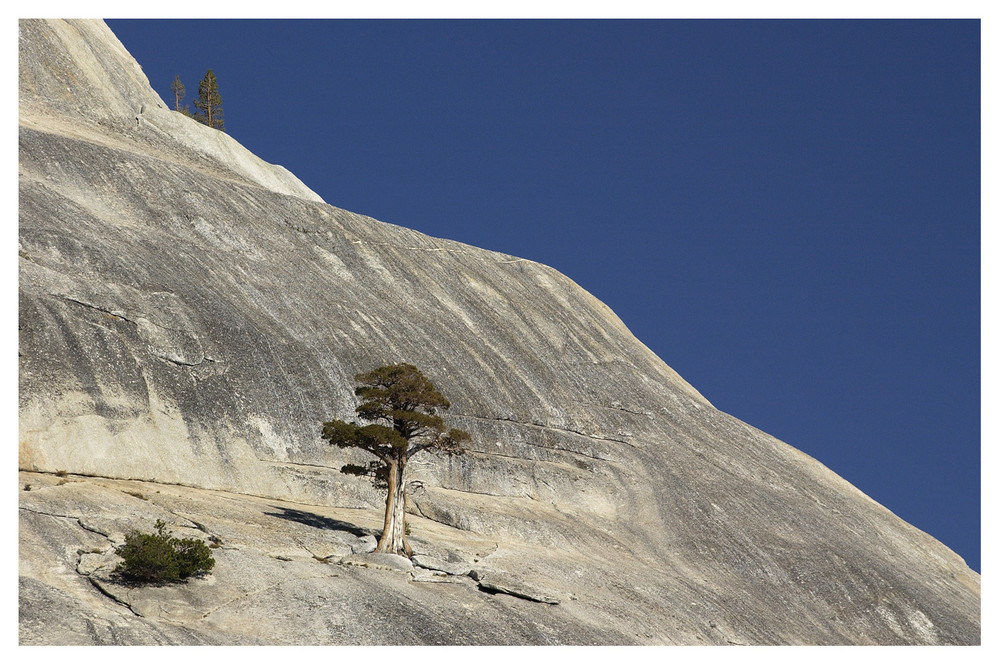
(305, 464)
(119, 315)
(179, 362)
(74, 518)
(534, 445)
(623, 409)
(499, 587)
(548, 427)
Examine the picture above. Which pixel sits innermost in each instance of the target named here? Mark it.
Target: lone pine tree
(401, 406)
(177, 88)
(179, 91)
(209, 102)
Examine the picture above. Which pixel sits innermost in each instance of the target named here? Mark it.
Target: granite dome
(189, 314)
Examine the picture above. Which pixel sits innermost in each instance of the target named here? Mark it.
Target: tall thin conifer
(178, 89)
(209, 102)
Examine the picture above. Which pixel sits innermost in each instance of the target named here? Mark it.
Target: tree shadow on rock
(320, 522)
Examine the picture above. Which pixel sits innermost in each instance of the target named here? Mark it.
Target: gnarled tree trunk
(393, 540)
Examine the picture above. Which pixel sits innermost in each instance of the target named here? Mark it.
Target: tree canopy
(401, 406)
(209, 103)
(177, 88)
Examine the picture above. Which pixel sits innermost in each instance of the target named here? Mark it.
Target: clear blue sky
(786, 212)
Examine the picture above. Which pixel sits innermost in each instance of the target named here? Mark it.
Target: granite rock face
(188, 317)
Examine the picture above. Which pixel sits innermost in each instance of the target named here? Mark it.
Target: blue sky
(786, 212)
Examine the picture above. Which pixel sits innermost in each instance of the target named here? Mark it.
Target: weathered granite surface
(190, 314)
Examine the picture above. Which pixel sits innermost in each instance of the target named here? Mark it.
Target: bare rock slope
(190, 314)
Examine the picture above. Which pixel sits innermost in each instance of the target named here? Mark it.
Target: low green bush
(159, 558)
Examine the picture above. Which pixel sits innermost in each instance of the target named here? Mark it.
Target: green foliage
(209, 103)
(159, 558)
(177, 88)
(402, 405)
(375, 470)
(179, 91)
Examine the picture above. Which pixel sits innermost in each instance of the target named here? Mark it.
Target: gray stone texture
(189, 315)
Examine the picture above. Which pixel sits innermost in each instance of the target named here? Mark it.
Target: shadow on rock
(133, 582)
(321, 522)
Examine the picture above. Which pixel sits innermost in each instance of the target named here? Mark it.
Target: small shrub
(159, 558)
(61, 473)
(138, 495)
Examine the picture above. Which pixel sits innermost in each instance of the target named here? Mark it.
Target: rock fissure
(489, 453)
(547, 427)
(496, 587)
(72, 518)
(489, 494)
(432, 519)
(121, 315)
(197, 525)
(302, 464)
(104, 310)
(612, 407)
(180, 363)
(82, 474)
(106, 593)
